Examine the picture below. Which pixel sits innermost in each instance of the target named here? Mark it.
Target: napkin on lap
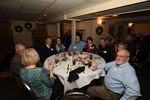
(73, 75)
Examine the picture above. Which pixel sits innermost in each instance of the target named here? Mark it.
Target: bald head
(19, 48)
(122, 56)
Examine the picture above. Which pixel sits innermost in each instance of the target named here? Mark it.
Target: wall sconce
(99, 29)
(130, 27)
(99, 21)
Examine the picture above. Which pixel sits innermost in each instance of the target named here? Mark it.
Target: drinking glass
(89, 63)
(74, 62)
(91, 56)
(64, 54)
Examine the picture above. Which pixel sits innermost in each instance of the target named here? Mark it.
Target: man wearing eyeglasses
(120, 83)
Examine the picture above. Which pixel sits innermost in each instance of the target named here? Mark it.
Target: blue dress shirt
(77, 46)
(121, 79)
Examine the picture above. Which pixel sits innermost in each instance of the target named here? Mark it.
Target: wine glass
(64, 54)
(50, 64)
(56, 60)
(89, 63)
(74, 62)
(91, 56)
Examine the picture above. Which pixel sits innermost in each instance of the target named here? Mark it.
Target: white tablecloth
(84, 77)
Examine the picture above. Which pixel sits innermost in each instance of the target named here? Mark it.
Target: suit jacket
(106, 52)
(45, 52)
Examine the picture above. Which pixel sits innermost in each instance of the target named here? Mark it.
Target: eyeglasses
(121, 56)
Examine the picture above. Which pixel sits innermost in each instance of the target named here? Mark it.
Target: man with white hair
(120, 83)
(16, 60)
(47, 49)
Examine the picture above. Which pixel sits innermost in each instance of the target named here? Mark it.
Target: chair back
(24, 88)
(30, 91)
(76, 96)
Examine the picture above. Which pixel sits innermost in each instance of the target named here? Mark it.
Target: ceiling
(57, 10)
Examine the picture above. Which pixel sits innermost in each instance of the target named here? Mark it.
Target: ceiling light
(115, 15)
(65, 16)
(45, 15)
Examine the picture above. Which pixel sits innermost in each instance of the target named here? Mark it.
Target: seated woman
(59, 46)
(36, 77)
(90, 47)
(121, 45)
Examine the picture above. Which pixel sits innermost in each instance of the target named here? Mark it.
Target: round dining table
(68, 61)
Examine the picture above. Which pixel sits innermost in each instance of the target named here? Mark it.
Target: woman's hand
(52, 75)
(51, 66)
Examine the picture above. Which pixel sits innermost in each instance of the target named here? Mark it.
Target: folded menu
(73, 75)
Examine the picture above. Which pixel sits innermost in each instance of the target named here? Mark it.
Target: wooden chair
(24, 89)
(76, 96)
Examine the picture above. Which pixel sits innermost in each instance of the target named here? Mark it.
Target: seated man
(120, 83)
(16, 60)
(47, 49)
(105, 50)
(78, 45)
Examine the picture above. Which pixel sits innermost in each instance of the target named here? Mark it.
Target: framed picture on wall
(112, 30)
